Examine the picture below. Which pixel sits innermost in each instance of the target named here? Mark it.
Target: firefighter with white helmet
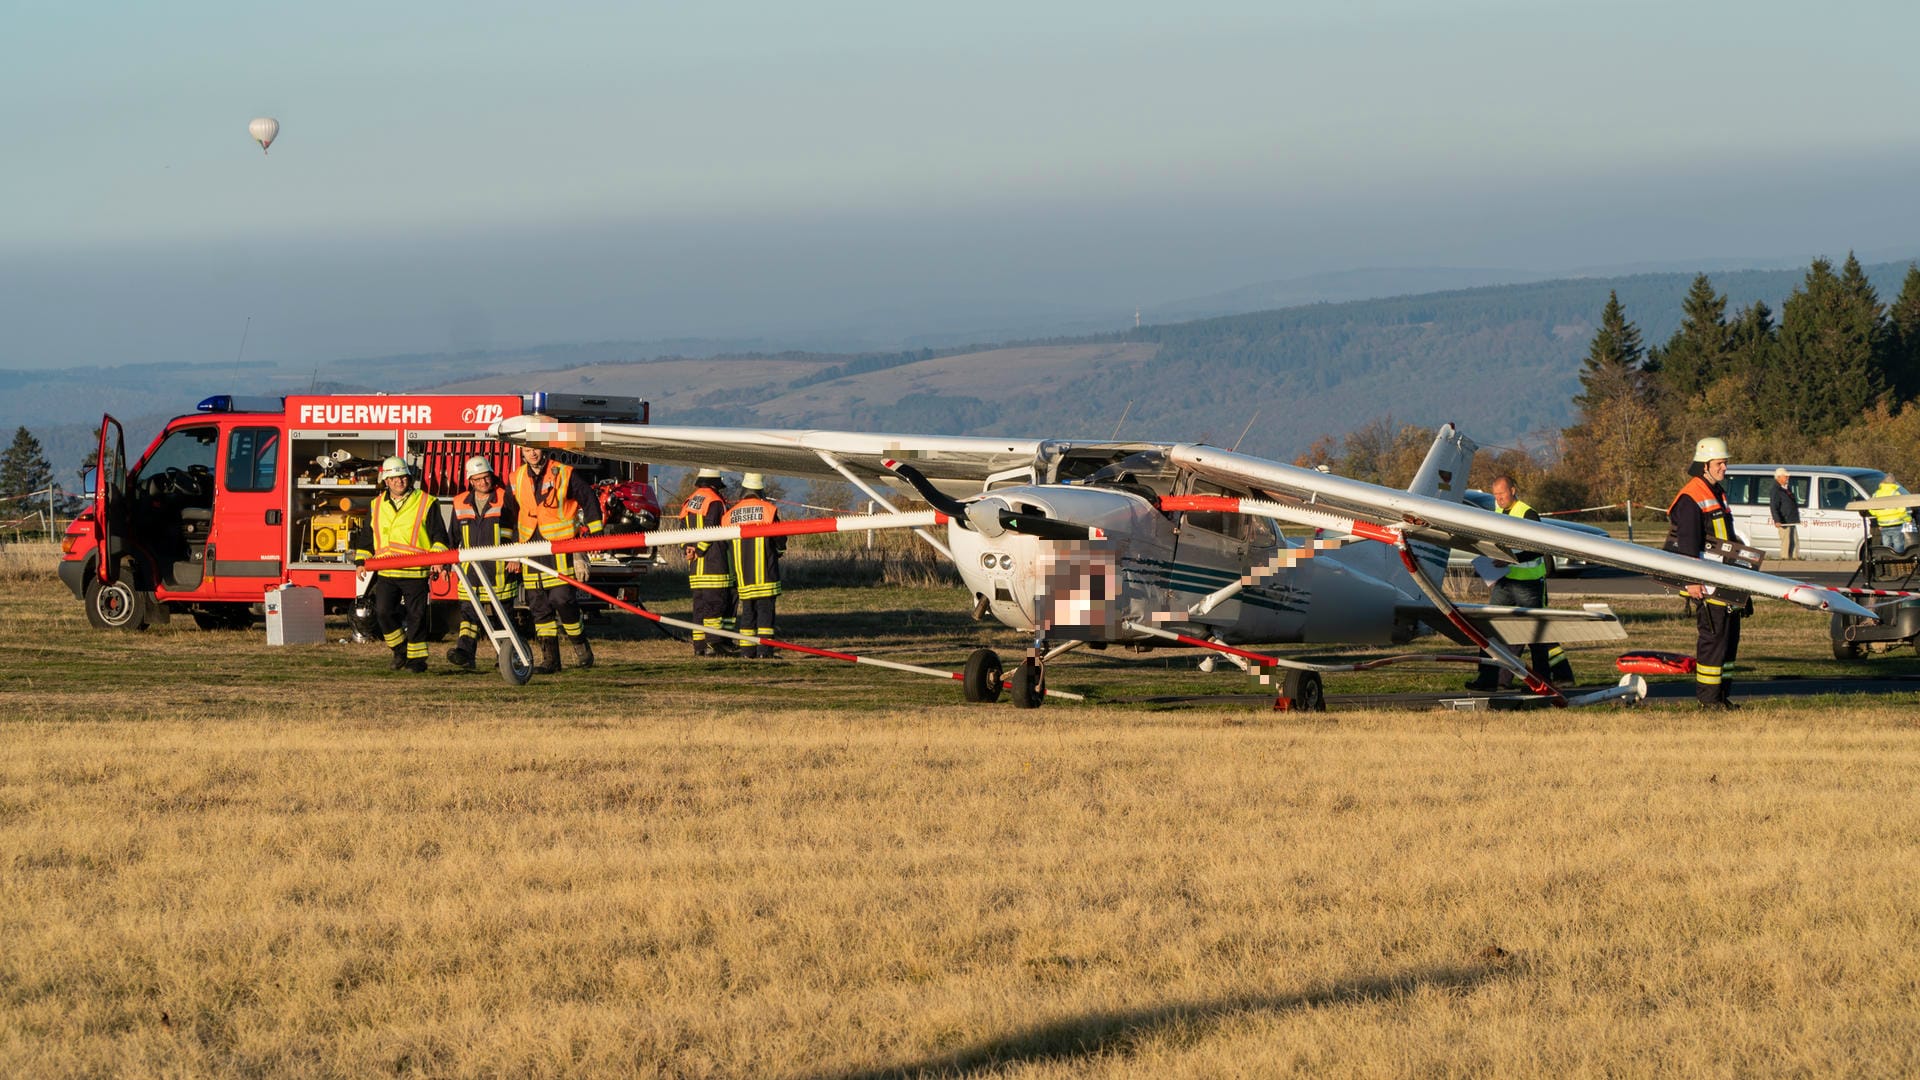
(1701, 518)
(554, 499)
(404, 522)
(709, 573)
(483, 515)
(756, 562)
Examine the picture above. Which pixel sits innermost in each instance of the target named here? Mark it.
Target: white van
(1827, 529)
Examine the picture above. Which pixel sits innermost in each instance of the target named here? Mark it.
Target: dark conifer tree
(23, 468)
(1903, 330)
(1832, 346)
(1699, 353)
(1613, 368)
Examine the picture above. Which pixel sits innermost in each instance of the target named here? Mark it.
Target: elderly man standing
(1784, 511)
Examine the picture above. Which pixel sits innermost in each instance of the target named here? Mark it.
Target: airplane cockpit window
(1231, 526)
(1146, 473)
(1061, 461)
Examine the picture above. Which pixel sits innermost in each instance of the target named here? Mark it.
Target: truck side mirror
(91, 485)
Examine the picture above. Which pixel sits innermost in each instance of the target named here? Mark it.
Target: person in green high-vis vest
(1525, 585)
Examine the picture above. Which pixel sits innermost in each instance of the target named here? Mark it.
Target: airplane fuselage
(1156, 568)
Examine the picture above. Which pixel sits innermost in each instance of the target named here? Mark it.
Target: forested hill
(1501, 361)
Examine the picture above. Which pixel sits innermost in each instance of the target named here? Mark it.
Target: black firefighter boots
(582, 652)
(461, 655)
(399, 657)
(549, 657)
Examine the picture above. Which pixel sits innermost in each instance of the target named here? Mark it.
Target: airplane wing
(1458, 525)
(1885, 502)
(958, 464)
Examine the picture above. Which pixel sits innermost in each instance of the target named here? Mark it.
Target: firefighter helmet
(707, 474)
(478, 466)
(753, 481)
(1711, 448)
(394, 466)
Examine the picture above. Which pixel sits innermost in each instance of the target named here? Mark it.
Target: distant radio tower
(1136, 318)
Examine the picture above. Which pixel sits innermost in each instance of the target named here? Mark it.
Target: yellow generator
(329, 531)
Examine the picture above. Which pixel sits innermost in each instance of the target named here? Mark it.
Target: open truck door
(113, 598)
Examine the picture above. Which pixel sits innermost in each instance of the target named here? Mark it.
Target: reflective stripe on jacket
(547, 505)
(708, 566)
(1891, 518)
(476, 527)
(402, 530)
(756, 560)
(1697, 500)
(1527, 569)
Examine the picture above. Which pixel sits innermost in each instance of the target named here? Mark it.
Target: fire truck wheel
(1029, 686)
(511, 669)
(118, 604)
(981, 681)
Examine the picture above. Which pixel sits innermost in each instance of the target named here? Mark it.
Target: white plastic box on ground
(296, 615)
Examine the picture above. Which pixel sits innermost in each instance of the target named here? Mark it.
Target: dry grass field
(218, 858)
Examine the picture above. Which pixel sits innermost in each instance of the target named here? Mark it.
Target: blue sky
(480, 174)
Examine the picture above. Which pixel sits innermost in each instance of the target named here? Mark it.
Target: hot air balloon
(263, 129)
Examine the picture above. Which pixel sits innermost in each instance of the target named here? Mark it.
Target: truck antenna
(1122, 420)
(243, 345)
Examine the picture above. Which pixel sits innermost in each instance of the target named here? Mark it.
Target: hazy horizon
(476, 177)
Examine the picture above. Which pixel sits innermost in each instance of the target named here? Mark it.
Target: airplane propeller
(991, 516)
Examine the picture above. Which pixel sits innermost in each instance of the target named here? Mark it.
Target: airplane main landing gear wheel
(981, 681)
(1302, 690)
(1029, 685)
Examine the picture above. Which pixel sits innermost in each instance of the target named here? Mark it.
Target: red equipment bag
(1648, 662)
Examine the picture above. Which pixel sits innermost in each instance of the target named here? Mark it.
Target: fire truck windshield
(187, 450)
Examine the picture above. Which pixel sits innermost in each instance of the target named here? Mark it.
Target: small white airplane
(1149, 544)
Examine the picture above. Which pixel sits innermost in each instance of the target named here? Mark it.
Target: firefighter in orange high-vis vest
(756, 562)
(554, 498)
(1700, 516)
(709, 571)
(483, 515)
(404, 522)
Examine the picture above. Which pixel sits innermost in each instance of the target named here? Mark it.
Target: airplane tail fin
(1442, 476)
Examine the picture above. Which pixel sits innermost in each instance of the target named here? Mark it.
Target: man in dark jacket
(1784, 511)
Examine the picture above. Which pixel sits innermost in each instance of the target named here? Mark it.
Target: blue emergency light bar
(235, 403)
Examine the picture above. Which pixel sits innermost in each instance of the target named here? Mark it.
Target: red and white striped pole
(712, 631)
(534, 549)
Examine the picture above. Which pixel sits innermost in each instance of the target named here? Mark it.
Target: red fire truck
(243, 495)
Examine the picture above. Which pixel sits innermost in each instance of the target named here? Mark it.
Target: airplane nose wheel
(1029, 685)
(981, 681)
